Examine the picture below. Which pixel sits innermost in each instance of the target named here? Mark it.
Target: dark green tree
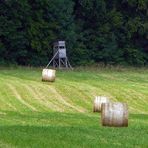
(109, 31)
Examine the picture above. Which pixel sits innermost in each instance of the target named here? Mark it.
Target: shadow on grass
(69, 130)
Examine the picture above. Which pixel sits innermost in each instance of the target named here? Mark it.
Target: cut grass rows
(40, 114)
(73, 91)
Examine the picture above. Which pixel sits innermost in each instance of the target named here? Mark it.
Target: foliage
(95, 31)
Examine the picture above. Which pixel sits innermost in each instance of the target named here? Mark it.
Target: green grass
(42, 114)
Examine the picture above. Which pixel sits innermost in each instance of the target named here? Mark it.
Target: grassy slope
(37, 114)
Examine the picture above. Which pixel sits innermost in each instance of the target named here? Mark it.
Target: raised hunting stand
(59, 58)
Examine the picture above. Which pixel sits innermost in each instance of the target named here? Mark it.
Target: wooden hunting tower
(59, 59)
(60, 48)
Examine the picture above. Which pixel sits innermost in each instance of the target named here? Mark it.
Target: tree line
(107, 31)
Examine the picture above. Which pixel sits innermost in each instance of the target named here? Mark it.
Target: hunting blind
(59, 59)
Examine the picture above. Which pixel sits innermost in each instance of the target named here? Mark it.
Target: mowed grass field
(59, 115)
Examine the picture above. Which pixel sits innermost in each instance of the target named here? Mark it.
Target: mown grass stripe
(19, 98)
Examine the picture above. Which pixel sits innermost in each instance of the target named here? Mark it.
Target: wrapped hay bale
(98, 102)
(114, 114)
(48, 75)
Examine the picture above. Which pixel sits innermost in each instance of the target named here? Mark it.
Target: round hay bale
(114, 114)
(98, 102)
(48, 75)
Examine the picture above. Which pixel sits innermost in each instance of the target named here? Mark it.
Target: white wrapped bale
(98, 102)
(48, 75)
(114, 114)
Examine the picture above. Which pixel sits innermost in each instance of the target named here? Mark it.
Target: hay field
(41, 114)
